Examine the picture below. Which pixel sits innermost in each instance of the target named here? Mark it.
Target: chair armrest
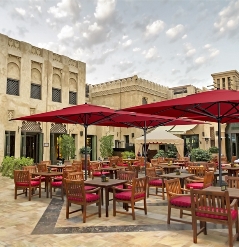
(175, 194)
(234, 204)
(93, 190)
(119, 189)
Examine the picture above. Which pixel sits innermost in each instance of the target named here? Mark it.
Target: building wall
(28, 64)
(226, 80)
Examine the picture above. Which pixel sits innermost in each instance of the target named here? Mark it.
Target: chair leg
(15, 193)
(40, 190)
(194, 225)
(148, 191)
(230, 236)
(67, 209)
(169, 214)
(181, 213)
(50, 191)
(114, 207)
(133, 212)
(84, 213)
(145, 206)
(30, 194)
(99, 209)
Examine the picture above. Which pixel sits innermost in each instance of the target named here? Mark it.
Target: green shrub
(9, 164)
(127, 154)
(160, 153)
(213, 150)
(198, 154)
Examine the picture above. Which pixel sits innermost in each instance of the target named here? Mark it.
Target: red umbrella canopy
(213, 106)
(85, 114)
(144, 121)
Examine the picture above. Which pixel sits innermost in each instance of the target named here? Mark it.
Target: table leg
(47, 182)
(111, 174)
(106, 201)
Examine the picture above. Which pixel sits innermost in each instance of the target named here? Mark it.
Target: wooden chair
(34, 169)
(198, 171)
(233, 159)
(96, 171)
(154, 182)
(154, 162)
(76, 194)
(232, 182)
(131, 196)
(77, 165)
(23, 181)
(213, 207)
(200, 183)
(42, 167)
(87, 163)
(177, 200)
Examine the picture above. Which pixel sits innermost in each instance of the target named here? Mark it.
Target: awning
(178, 129)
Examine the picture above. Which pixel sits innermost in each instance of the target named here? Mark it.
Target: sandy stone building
(34, 80)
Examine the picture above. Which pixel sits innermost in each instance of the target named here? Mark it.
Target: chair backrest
(154, 162)
(75, 189)
(77, 165)
(232, 182)
(233, 159)
(94, 165)
(160, 159)
(21, 176)
(75, 176)
(69, 168)
(113, 161)
(199, 171)
(126, 175)
(173, 186)
(211, 166)
(151, 172)
(216, 204)
(208, 179)
(31, 169)
(139, 187)
(42, 167)
(47, 162)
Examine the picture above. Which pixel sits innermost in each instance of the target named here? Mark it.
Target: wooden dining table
(181, 176)
(113, 170)
(169, 168)
(105, 185)
(48, 176)
(233, 192)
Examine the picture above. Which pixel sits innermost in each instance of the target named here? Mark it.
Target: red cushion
(58, 178)
(105, 165)
(196, 186)
(127, 195)
(122, 164)
(56, 183)
(33, 183)
(121, 186)
(98, 174)
(181, 201)
(156, 182)
(88, 187)
(234, 213)
(89, 198)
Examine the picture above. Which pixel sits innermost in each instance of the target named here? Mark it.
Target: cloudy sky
(169, 42)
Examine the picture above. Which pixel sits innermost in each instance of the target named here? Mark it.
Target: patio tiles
(42, 222)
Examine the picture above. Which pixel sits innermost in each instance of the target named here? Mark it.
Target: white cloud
(154, 29)
(124, 65)
(189, 50)
(200, 60)
(213, 52)
(175, 71)
(21, 11)
(66, 9)
(125, 37)
(207, 46)
(151, 53)
(136, 49)
(228, 19)
(66, 32)
(184, 36)
(175, 32)
(127, 43)
(104, 9)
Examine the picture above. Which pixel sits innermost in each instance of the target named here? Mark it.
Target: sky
(169, 42)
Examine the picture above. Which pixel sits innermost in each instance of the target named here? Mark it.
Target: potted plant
(198, 154)
(128, 155)
(106, 146)
(67, 147)
(160, 153)
(84, 150)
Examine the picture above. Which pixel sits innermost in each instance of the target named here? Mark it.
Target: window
(72, 98)
(144, 101)
(12, 87)
(223, 83)
(56, 95)
(35, 91)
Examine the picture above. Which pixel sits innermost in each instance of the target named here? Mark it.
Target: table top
(173, 175)
(231, 168)
(57, 166)
(110, 183)
(49, 174)
(169, 166)
(233, 192)
(112, 168)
